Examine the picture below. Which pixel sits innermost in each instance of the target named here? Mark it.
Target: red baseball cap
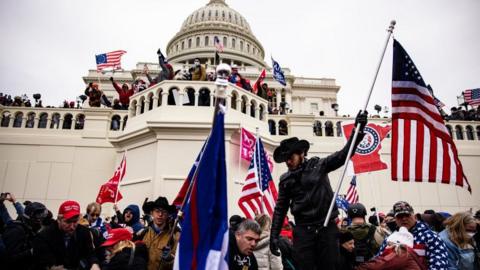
(117, 235)
(69, 209)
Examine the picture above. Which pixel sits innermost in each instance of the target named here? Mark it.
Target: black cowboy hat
(288, 147)
(159, 203)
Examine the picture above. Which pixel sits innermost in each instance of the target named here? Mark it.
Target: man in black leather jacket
(306, 190)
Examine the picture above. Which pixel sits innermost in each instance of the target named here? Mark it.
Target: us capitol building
(54, 154)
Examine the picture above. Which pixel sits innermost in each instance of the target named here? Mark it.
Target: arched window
(204, 97)
(449, 128)
(252, 108)
(272, 127)
(159, 98)
(183, 45)
(171, 95)
(206, 41)
(261, 111)
(67, 121)
(55, 121)
(241, 45)
(30, 120)
(80, 121)
(125, 122)
(42, 121)
(469, 131)
(317, 128)
(17, 121)
(282, 127)
(189, 43)
(459, 132)
(190, 93)
(233, 43)
(115, 123)
(329, 129)
(339, 128)
(233, 100)
(5, 119)
(176, 48)
(133, 107)
(197, 42)
(142, 103)
(248, 48)
(244, 104)
(150, 101)
(224, 41)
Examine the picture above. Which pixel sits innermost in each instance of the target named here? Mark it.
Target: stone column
(138, 109)
(147, 105)
(279, 99)
(155, 102)
(257, 113)
(35, 122)
(247, 111)
(60, 123)
(49, 122)
(228, 101)
(164, 98)
(239, 104)
(211, 99)
(196, 98)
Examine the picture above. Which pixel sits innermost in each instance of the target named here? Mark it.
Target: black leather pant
(315, 247)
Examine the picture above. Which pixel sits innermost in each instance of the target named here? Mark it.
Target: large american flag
(422, 148)
(259, 193)
(472, 96)
(352, 194)
(109, 60)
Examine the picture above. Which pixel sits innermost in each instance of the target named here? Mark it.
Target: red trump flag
(109, 191)
(367, 158)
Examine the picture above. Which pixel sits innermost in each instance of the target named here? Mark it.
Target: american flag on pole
(352, 194)
(109, 60)
(472, 96)
(218, 44)
(422, 148)
(259, 193)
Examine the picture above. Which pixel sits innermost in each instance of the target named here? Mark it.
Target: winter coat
(155, 243)
(307, 191)
(123, 96)
(346, 260)
(265, 259)
(121, 261)
(18, 238)
(236, 260)
(462, 259)
(94, 96)
(428, 244)
(49, 248)
(365, 245)
(389, 260)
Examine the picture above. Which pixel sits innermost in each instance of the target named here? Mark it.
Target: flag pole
(355, 135)
(118, 185)
(220, 98)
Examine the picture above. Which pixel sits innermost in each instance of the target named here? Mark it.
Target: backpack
(364, 246)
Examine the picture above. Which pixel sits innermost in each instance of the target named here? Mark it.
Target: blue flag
(204, 240)
(278, 73)
(342, 203)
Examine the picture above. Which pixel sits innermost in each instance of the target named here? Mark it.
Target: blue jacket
(135, 222)
(427, 243)
(463, 259)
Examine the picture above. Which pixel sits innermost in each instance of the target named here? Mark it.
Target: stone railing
(331, 126)
(60, 118)
(196, 93)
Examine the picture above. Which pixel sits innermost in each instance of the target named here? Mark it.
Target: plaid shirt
(427, 243)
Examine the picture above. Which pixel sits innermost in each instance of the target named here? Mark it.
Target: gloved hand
(274, 246)
(166, 254)
(159, 52)
(361, 119)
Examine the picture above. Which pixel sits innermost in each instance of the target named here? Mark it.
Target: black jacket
(18, 239)
(49, 248)
(307, 191)
(236, 259)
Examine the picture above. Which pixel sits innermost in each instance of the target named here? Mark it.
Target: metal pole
(357, 128)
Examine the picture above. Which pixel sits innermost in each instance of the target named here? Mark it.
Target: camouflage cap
(402, 207)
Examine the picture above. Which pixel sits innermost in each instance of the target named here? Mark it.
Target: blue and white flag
(278, 73)
(342, 203)
(203, 243)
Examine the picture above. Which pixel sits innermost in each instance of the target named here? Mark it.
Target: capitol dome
(196, 37)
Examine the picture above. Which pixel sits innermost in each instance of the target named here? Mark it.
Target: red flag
(367, 158)
(109, 190)
(259, 81)
(247, 147)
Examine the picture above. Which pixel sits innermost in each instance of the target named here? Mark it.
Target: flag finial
(222, 2)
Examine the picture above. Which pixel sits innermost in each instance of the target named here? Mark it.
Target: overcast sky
(47, 46)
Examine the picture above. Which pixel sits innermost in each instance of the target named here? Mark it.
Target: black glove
(166, 254)
(361, 119)
(111, 79)
(159, 52)
(274, 246)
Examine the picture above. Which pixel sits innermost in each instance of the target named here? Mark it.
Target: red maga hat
(117, 235)
(69, 209)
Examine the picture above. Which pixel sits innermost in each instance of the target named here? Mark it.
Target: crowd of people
(463, 114)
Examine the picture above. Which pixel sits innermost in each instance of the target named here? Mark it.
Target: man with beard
(305, 190)
(19, 235)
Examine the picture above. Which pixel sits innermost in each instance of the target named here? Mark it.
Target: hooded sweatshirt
(135, 221)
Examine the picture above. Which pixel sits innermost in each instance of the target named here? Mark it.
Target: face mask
(470, 234)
